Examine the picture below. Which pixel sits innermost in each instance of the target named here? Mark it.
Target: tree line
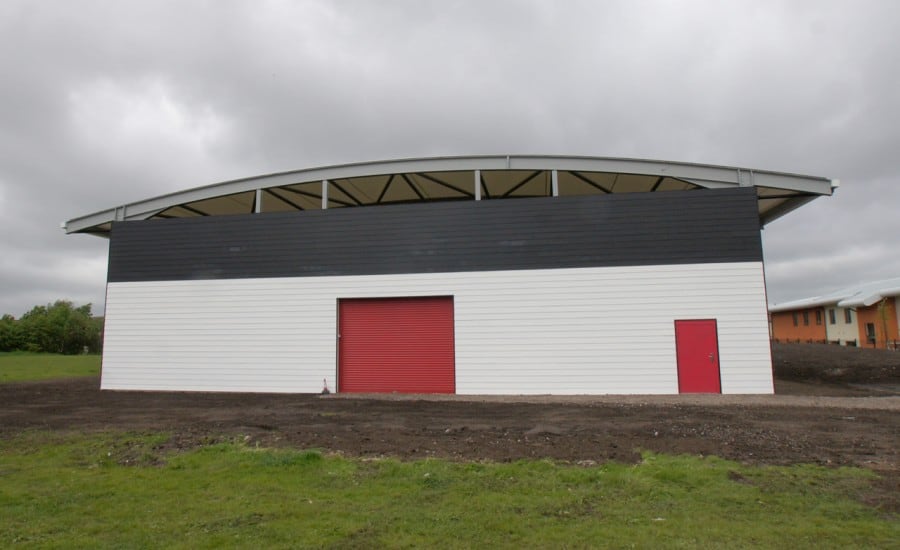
(59, 327)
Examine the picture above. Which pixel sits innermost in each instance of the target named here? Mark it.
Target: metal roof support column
(477, 185)
(324, 194)
(554, 182)
(258, 203)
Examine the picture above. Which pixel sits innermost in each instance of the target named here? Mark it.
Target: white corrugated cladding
(560, 331)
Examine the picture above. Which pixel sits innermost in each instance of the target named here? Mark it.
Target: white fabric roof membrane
(860, 295)
(459, 178)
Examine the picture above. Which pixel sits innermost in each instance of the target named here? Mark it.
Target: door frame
(715, 323)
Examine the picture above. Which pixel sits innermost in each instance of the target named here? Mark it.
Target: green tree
(59, 328)
(10, 338)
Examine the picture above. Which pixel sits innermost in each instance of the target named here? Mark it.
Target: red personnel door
(403, 345)
(697, 351)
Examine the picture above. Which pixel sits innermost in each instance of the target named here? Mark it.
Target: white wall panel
(562, 331)
(841, 330)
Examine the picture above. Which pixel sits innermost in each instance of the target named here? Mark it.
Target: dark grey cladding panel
(700, 226)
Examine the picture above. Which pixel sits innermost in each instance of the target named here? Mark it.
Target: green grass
(21, 366)
(123, 491)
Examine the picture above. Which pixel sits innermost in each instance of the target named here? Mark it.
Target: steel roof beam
(777, 211)
(785, 196)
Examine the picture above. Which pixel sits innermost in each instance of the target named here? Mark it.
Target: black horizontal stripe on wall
(703, 226)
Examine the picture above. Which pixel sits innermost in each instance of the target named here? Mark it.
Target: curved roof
(458, 178)
(859, 295)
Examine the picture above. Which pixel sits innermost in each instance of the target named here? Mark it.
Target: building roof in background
(859, 295)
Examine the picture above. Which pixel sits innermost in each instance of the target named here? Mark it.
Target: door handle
(712, 358)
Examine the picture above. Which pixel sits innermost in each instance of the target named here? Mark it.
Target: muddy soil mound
(835, 364)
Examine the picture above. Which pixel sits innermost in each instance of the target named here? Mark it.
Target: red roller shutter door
(402, 345)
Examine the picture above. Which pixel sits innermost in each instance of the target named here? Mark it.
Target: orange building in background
(865, 315)
(800, 325)
(878, 324)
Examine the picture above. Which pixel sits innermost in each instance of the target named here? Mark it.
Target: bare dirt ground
(835, 406)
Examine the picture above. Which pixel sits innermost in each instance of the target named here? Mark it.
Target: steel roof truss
(431, 178)
(412, 186)
(593, 184)
(484, 188)
(345, 192)
(383, 191)
(283, 199)
(315, 196)
(193, 210)
(517, 186)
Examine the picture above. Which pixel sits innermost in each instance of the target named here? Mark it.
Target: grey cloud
(118, 101)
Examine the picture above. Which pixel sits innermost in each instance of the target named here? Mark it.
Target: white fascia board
(133, 211)
(804, 184)
(869, 299)
(818, 301)
(84, 222)
(853, 301)
(627, 166)
(705, 175)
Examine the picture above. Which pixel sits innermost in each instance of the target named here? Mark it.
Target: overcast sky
(103, 103)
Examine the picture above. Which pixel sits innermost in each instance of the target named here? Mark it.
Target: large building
(866, 315)
(475, 275)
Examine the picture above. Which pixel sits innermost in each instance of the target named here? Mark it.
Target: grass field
(127, 490)
(22, 366)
